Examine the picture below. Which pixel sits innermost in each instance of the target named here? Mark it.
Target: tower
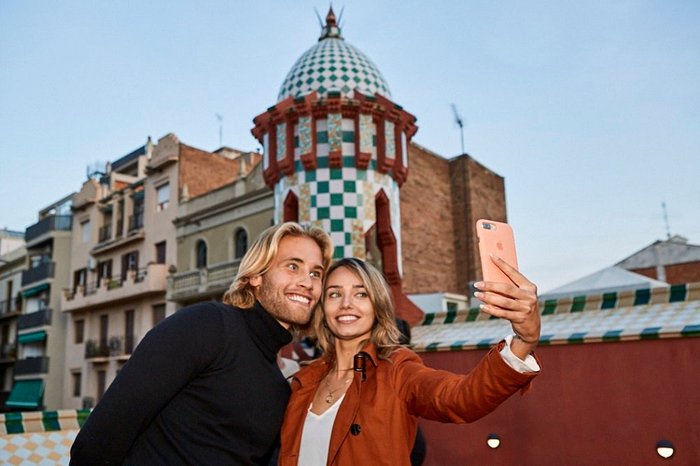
(335, 154)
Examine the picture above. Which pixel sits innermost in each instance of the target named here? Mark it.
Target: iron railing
(45, 225)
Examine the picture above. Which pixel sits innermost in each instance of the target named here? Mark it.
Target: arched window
(201, 254)
(241, 239)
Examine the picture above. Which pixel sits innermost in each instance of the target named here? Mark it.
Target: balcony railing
(202, 282)
(105, 233)
(39, 365)
(34, 319)
(40, 272)
(51, 223)
(10, 307)
(113, 346)
(135, 221)
(146, 280)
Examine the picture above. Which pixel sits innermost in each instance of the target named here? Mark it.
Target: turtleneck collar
(268, 334)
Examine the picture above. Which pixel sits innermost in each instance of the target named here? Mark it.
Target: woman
(360, 402)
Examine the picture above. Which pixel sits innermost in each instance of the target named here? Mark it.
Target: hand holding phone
(495, 238)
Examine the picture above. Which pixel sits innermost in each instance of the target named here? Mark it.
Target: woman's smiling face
(348, 311)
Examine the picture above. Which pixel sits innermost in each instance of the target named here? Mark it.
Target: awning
(35, 290)
(26, 394)
(32, 337)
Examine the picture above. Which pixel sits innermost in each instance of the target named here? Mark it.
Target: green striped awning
(35, 290)
(32, 337)
(26, 394)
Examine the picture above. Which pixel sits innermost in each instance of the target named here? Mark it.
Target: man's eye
(293, 266)
(315, 274)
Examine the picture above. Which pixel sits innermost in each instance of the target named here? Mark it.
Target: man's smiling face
(291, 288)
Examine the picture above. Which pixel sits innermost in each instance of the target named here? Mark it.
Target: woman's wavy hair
(385, 334)
(259, 257)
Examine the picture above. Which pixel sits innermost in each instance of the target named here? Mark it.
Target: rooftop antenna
(221, 129)
(668, 227)
(340, 17)
(460, 123)
(320, 21)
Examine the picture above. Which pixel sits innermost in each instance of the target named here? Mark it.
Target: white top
(316, 435)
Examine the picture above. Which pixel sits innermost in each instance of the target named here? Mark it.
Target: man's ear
(255, 281)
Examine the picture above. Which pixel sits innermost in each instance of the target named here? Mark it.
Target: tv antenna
(460, 123)
(668, 227)
(221, 129)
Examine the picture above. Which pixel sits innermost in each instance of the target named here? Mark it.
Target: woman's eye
(333, 294)
(362, 294)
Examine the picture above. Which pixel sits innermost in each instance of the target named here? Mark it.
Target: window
(201, 262)
(101, 383)
(241, 239)
(104, 271)
(158, 313)
(77, 379)
(85, 231)
(128, 331)
(79, 330)
(162, 197)
(160, 252)
(104, 330)
(130, 261)
(79, 279)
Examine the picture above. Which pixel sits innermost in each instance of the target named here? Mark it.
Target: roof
(333, 65)
(128, 158)
(674, 250)
(608, 279)
(647, 313)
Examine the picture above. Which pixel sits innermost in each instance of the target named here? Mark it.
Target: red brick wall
(203, 171)
(647, 272)
(688, 272)
(440, 203)
(427, 236)
(595, 403)
(477, 192)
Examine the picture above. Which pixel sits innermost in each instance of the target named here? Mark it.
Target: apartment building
(214, 231)
(12, 262)
(124, 245)
(41, 329)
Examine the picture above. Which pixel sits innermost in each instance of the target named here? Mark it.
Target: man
(203, 386)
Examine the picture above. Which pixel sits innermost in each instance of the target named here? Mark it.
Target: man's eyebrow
(301, 261)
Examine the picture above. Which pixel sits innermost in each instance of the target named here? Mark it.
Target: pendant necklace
(329, 397)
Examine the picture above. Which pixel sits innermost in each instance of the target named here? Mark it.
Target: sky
(590, 110)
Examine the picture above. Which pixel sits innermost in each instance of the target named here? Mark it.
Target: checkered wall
(340, 200)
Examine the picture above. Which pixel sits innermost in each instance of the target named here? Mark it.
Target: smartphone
(495, 238)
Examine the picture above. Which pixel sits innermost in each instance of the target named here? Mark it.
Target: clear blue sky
(590, 110)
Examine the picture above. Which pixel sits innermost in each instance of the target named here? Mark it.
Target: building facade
(41, 327)
(12, 263)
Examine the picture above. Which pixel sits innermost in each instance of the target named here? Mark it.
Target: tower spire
(331, 30)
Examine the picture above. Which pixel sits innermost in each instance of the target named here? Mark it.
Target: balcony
(135, 222)
(38, 273)
(34, 319)
(115, 346)
(39, 365)
(214, 280)
(105, 233)
(10, 308)
(146, 281)
(48, 224)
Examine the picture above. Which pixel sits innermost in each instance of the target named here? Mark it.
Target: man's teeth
(300, 299)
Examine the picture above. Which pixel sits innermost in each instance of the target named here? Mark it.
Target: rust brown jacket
(377, 420)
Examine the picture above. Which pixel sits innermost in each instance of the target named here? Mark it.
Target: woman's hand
(515, 302)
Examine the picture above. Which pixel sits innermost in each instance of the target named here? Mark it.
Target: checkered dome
(333, 65)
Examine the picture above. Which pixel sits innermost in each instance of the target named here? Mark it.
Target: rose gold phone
(495, 238)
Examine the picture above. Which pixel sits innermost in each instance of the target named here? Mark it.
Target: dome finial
(332, 29)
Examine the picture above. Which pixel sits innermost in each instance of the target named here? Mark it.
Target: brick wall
(440, 203)
(676, 274)
(426, 225)
(202, 171)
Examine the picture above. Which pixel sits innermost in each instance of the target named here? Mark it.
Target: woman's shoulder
(404, 354)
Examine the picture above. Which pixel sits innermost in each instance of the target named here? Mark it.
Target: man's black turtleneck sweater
(202, 387)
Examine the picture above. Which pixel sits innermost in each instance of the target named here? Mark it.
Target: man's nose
(305, 280)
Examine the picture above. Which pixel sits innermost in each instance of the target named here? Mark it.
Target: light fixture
(664, 448)
(493, 440)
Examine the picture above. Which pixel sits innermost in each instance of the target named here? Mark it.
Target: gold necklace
(329, 397)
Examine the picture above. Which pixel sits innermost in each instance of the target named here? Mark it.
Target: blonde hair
(385, 335)
(259, 257)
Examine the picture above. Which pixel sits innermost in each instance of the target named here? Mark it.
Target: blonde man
(203, 386)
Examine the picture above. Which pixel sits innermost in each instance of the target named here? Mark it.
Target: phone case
(495, 238)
